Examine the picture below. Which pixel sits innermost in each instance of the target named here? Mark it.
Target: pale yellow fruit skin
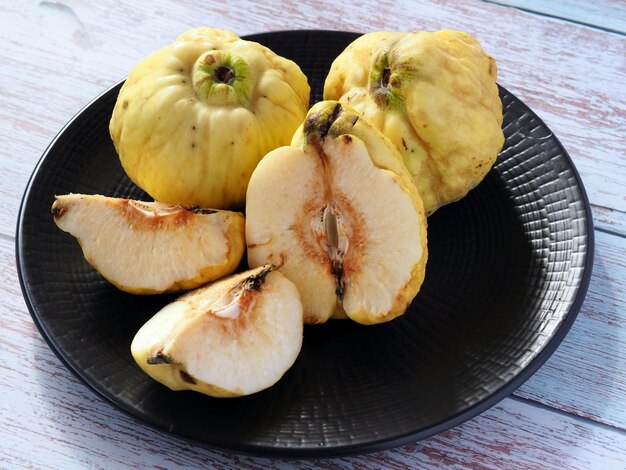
(151, 248)
(314, 278)
(445, 116)
(224, 356)
(184, 150)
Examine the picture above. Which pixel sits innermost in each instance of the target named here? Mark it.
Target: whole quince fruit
(435, 96)
(193, 119)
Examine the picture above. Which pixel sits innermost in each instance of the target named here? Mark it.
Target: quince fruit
(233, 337)
(151, 247)
(435, 96)
(193, 119)
(338, 214)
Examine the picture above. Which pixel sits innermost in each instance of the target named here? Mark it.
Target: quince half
(338, 214)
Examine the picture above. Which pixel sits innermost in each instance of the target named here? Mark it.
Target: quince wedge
(434, 94)
(151, 247)
(193, 119)
(233, 337)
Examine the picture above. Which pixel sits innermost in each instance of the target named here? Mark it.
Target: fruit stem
(222, 79)
(318, 124)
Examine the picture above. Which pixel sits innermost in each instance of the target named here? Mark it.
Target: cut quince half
(338, 214)
(151, 247)
(234, 337)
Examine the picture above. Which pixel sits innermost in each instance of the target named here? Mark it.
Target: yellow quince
(434, 95)
(193, 119)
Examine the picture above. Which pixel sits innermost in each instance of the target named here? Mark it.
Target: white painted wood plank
(607, 14)
(609, 220)
(586, 375)
(56, 56)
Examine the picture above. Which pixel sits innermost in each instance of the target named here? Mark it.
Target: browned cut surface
(142, 219)
(58, 210)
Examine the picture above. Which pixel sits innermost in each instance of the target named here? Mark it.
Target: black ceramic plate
(508, 268)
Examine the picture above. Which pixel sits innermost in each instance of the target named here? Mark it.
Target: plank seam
(609, 232)
(575, 417)
(8, 238)
(568, 20)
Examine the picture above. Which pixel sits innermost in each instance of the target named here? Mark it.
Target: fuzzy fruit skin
(438, 103)
(338, 160)
(186, 138)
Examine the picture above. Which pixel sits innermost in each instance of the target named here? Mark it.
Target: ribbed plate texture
(508, 268)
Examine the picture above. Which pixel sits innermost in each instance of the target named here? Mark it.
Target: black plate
(508, 268)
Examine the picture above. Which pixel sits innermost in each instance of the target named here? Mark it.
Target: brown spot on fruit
(58, 210)
(159, 358)
(185, 377)
(347, 138)
(209, 60)
(151, 216)
(353, 225)
(201, 210)
(125, 104)
(492, 67)
(311, 319)
(251, 246)
(406, 147)
(281, 263)
(256, 281)
(307, 239)
(337, 270)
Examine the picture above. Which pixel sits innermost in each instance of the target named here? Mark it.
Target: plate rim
(327, 451)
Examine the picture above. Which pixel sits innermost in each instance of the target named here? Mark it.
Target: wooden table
(566, 60)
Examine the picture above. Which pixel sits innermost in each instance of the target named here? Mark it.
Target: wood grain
(585, 376)
(59, 55)
(44, 404)
(605, 14)
(609, 220)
